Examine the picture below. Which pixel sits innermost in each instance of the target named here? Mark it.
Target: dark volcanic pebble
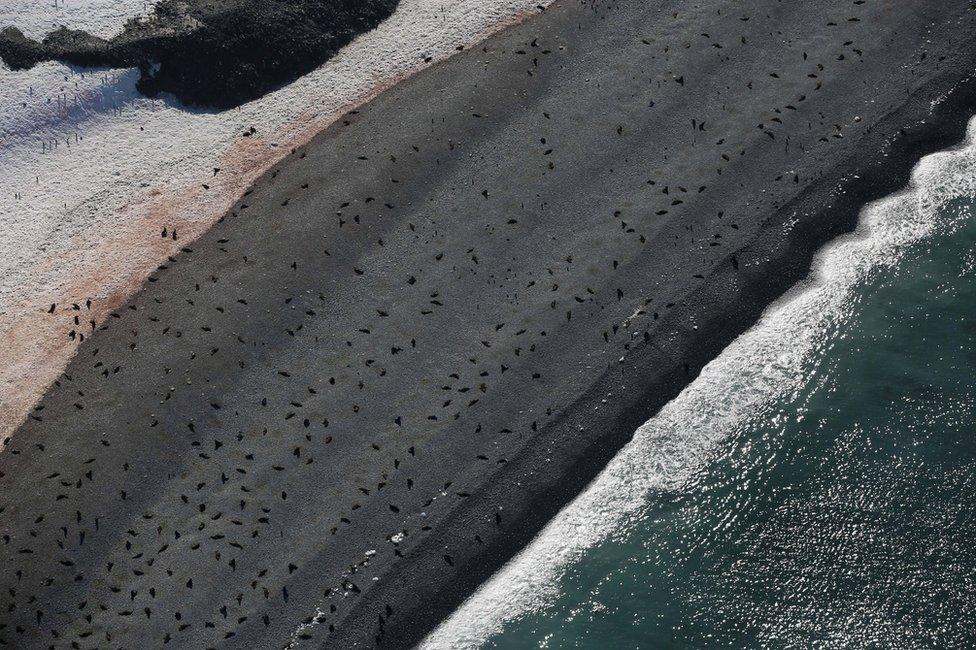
(332, 416)
(215, 53)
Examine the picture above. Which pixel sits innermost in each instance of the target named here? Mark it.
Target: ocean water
(845, 516)
(814, 487)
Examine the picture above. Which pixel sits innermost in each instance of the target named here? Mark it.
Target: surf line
(731, 392)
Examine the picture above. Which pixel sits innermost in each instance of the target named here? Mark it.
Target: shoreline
(550, 423)
(876, 181)
(672, 449)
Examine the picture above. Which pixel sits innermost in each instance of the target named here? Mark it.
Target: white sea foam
(90, 171)
(766, 363)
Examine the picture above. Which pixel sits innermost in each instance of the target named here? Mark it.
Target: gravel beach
(329, 419)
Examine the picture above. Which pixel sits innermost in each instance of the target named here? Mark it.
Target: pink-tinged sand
(37, 345)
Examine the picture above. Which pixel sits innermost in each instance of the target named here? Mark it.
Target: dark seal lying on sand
(213, 53)
(331, 417)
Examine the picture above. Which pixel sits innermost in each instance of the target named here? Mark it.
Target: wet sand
(333, 415)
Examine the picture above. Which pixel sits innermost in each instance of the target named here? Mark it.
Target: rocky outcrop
(216, 54)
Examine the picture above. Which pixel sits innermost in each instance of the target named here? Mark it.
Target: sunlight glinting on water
(733, 390)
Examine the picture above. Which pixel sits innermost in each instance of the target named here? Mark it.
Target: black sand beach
(335, 414)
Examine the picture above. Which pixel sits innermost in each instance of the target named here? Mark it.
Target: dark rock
(217, 54)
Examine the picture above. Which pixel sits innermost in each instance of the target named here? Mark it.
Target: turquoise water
(844, 516)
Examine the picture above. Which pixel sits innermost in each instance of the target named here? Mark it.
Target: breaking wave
(769, 362)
